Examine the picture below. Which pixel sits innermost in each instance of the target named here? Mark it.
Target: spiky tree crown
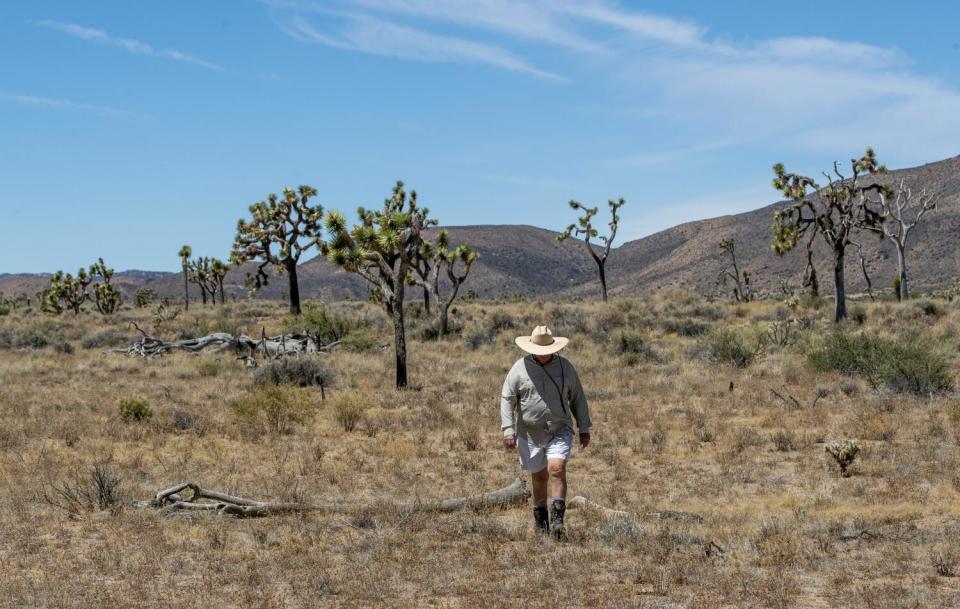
(279, 230)
(584, 225)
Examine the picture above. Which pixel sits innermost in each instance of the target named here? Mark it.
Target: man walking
(540, 400)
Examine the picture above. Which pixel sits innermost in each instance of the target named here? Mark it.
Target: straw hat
(541, 342)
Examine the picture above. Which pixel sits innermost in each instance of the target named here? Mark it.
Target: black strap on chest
(563, 381)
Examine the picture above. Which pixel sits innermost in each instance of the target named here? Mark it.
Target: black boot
(557, 509)
(541, 519)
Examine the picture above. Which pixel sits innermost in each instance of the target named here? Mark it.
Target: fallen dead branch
(200, 499)
(245, 347)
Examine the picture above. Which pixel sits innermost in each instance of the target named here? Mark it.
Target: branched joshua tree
(106, 296)
(67, 292)
(218, 272)
(901, 211)
(199, 273)
(383, 249)
(584, 227)
(280, 230)
(185, 253)
(742, 292)
(835, 212)
(438, 259)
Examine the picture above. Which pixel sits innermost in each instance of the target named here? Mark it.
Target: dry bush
(300, 371)
(348, 411)
(100, 489)
(272, 408)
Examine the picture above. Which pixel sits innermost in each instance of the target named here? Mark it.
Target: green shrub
(4, 309)
(478, 337)
(359, 341)
(858, 313)
(324, 324)
(32, 335)
(728, 346)
(685, 327)
(500, 320)
(905, 364)
(105, 338)
(144, 297)
(348, 411)
(634, 348)
(273, 408)
(209, 368)
(135, 409)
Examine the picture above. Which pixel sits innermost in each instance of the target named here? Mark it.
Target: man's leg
(557, 473)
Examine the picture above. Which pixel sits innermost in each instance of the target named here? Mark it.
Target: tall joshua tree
(218, 272)
(438, 259)
(383, 249)
(280, 230)
(584, 226)
(185, 253)
(901, 212)
(67, 292)
(106, 296)
(835, 212)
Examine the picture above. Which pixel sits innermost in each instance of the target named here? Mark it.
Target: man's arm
(508, 403)
(580, 408)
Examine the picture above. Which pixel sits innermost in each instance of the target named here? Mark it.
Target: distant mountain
(530, 261)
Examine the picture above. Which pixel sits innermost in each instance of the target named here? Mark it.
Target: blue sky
(130, 128)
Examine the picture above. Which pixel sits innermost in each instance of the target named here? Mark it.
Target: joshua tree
(901, 212)
(280, 230)
(383, 249)
(437, 258)
(105, 295)
(67, 292)
(835, 212)
(199, 273)
(218, 272)
(585, 227)
(185, 253)
(742, 292)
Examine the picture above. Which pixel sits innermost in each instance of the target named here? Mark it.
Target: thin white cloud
(829, 51)
(61, 104)
(128, 44)
(379, 37)
(675, 155)
(651, 27)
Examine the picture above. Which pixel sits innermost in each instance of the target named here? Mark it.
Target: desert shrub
(301, 371)
(858, 313)
(99, 490)
(784, 441)
(499, 321)
(729, 346)
(135, 409)
(273, 408)
(904, 364)
(348, 411)
(4, 309)
(568, 320)
(478, 337)
(685, 327)
(183, 420)
(746, 437)
(109, 338)
(930, 308)
(359, 341)
(634, 347)
(431, 331)
(32, 335)
(209, 368)
(321, 322)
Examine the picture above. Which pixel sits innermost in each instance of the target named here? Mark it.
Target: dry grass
(678, 430)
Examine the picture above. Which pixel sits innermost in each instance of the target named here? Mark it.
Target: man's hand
(584, 439)
(510, 441)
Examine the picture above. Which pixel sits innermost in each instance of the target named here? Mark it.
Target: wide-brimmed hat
(541, 342)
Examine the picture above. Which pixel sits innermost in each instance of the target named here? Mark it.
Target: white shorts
(534, 458)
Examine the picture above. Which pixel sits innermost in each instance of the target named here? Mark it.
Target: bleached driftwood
(245, 347)
(201, 499)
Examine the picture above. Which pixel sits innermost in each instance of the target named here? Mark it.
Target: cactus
(585, 227)
(280, 230)
(844, 453)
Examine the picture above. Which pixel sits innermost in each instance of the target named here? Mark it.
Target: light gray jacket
(531, 405)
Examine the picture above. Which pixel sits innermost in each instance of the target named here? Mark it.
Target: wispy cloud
(379, 37)
(61, 104)
(675, 155)
(128, 44)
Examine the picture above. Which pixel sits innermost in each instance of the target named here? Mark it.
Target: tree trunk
(186, 290)
(839, 280)
(426, 301)
(399, 340)
(902, 271)
(291, 267)
(603, 277)
(203, 293)
(442, 309)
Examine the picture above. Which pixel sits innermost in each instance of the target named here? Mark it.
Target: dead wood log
(269, 346)
(169, 500)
